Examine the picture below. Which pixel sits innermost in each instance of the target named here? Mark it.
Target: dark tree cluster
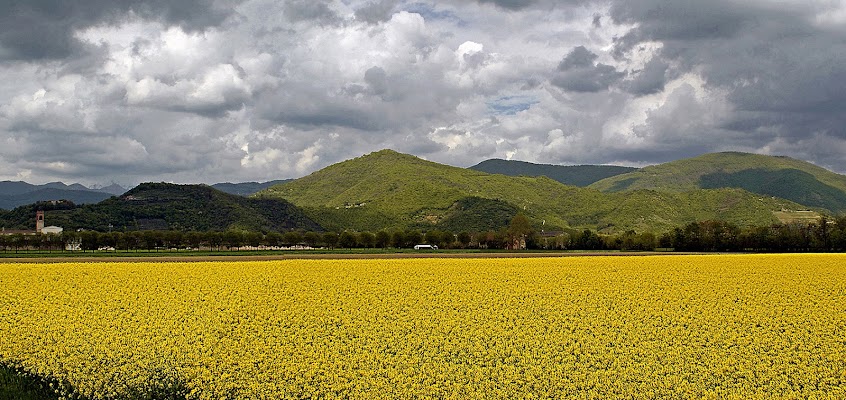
(825, 235)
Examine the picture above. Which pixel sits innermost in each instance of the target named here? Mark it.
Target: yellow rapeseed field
(760, 326)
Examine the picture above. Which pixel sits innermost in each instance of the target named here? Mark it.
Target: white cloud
(278, 89)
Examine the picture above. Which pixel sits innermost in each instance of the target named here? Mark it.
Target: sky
(206, 91)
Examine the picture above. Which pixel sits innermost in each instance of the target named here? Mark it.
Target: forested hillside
(574, 175)
(782, 177)
(163, 206)
(388, 190)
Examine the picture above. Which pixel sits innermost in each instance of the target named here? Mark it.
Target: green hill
(781, 177)
(574, 175)
(164, 206)
(387, 190)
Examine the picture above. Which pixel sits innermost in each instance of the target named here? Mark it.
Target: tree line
(824, 235)
(229, 240)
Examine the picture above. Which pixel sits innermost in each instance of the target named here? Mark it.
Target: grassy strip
(15, 385)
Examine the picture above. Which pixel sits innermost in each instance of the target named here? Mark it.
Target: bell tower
(39, 221)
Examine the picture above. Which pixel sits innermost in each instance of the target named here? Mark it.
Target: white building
(55, 230)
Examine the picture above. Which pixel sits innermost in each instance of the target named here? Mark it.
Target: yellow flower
(757, 326)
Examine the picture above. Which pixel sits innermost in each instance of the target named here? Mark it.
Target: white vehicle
(425, 247)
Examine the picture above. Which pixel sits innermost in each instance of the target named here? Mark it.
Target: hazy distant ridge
(575, 175)
(246, 188)
(16, 194)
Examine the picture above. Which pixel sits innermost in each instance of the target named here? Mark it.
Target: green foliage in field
(781, 177)
(15, 385)
(389, 190)
(164, 206)
(574, 175)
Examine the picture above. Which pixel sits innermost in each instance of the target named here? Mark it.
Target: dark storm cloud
(43, 29)
(580, 57)
(318, 112)
(772, 59)
(376, 11)
(510, 4)
(377, 79)
(310, 10)
(683, 20)
(518, 5)
(578, 72)
(206, 90)
(651, 79)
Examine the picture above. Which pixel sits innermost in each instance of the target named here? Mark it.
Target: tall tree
(292, 238)
(347, 240)
(311, 239)
(330, 239)
(233, 238)
(398, 239)
(518, 230)
(464, 239)
(412, 237)
(383, 239)
(366, 239)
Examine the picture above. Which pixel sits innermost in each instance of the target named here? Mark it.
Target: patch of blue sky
(511, 105)
(430, 13)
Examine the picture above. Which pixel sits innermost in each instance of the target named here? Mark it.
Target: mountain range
(391, 190)
(15, 193)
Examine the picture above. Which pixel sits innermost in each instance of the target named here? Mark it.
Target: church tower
(39, 221)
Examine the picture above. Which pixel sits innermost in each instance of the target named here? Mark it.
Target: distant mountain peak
(114, 189)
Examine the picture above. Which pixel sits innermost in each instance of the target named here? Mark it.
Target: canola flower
(713, 327)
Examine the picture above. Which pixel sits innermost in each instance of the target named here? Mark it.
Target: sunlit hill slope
(388, 190)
